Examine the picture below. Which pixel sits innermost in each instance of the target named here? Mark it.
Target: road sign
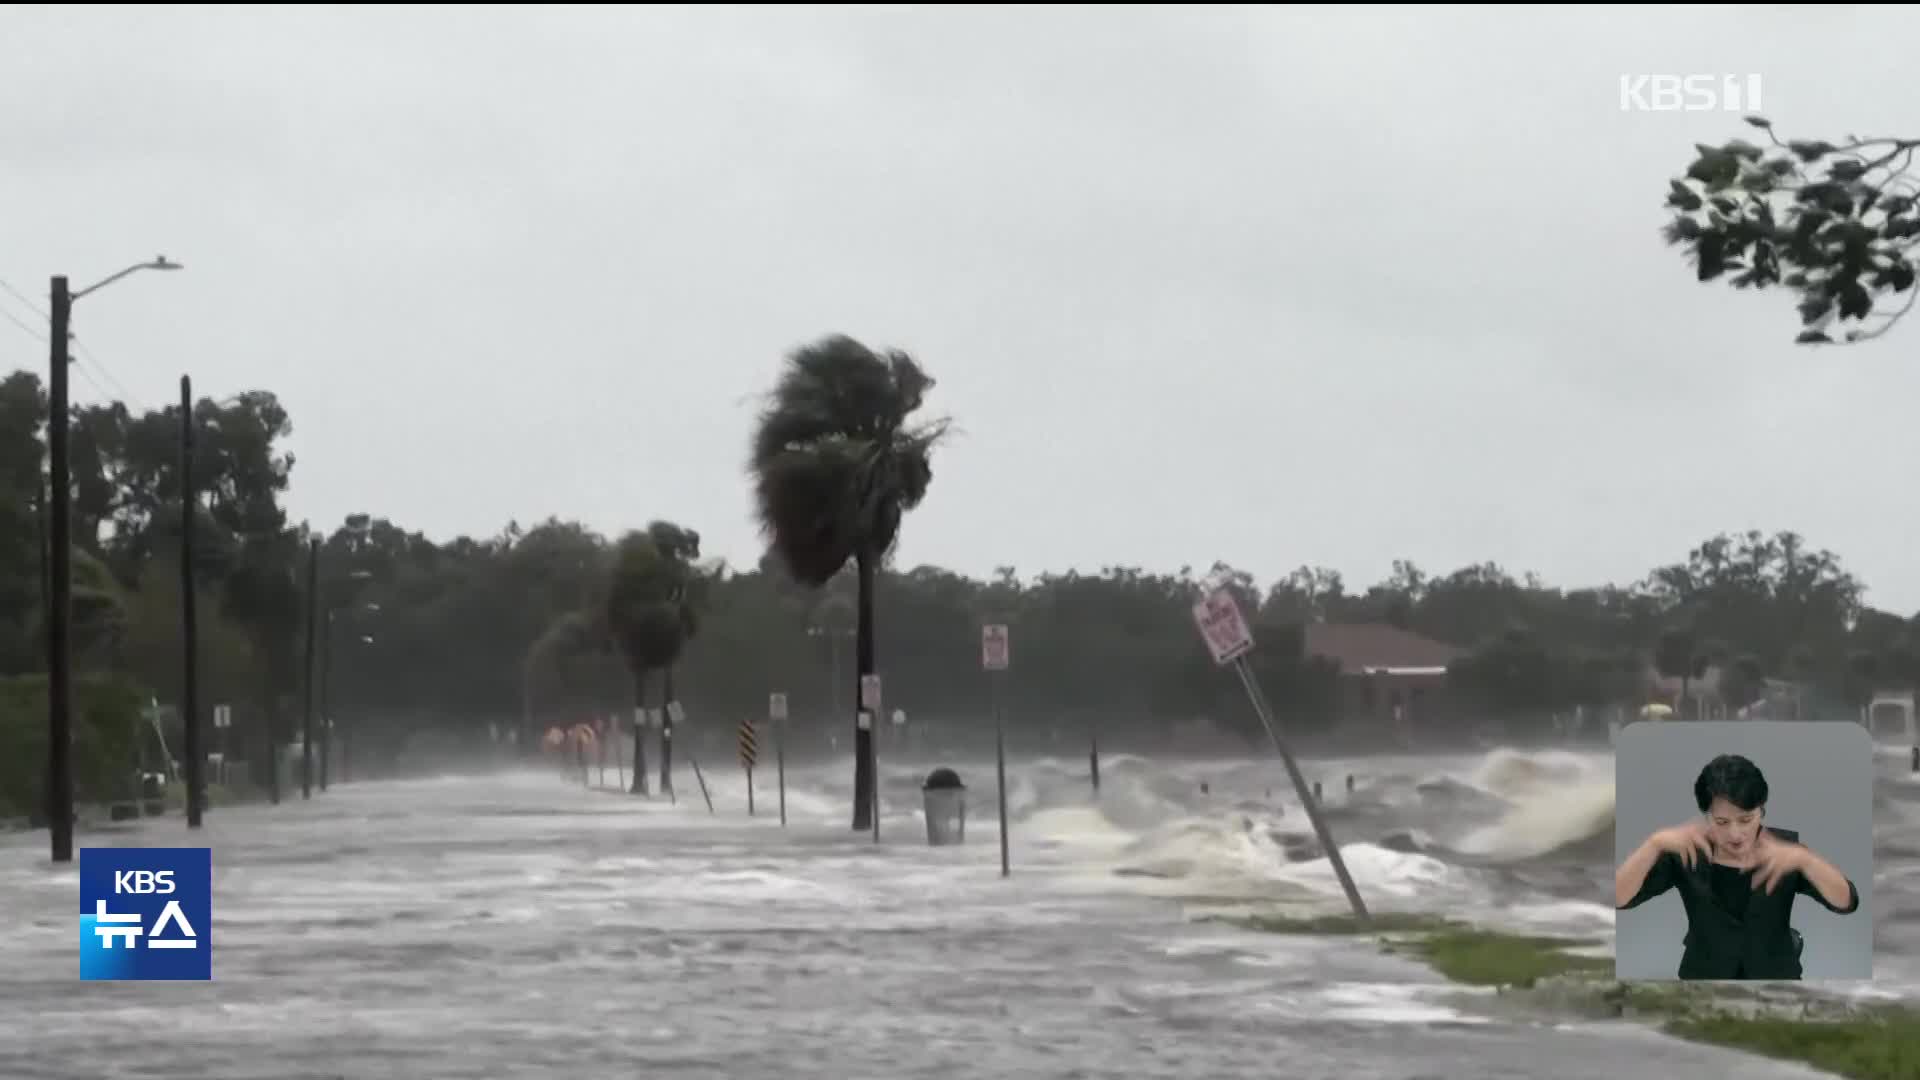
(677, 714)
(870, 692)
(777, 706)
(223, 716)
(749, 745)
(996, 652)
(1222, 625)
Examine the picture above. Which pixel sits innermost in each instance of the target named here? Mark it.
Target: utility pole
(313, 634)
(189, 625)
(60, 601)
(60, 562)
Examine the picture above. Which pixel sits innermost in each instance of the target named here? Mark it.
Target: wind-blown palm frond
(653, 595)
(835, 461)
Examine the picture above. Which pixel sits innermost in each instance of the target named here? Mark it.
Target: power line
(85, 354)
(31, 306)
(28, 330)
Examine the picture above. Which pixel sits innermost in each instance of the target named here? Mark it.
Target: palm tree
(650, 616)
(837, 463)
(683, 586)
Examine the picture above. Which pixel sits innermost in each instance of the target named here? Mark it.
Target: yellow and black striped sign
(749, 745)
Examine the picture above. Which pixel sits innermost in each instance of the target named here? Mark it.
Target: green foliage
(1515, 672)
(429, 635)
(1880, 1044)
(652, 595)
(1677, 655)
(1491, 958)
(106, 719)
(1835, 223)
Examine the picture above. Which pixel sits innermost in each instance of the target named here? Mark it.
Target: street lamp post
(60, 563)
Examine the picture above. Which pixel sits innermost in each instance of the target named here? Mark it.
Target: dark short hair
(1733, 778)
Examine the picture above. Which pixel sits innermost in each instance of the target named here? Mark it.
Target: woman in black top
(1737, 878)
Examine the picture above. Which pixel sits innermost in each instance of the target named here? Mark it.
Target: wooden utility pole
(60, 577)
(189, 625)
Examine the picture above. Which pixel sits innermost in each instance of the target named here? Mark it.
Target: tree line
(431, 642)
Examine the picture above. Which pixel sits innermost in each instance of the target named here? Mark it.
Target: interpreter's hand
(1773, 859)
(1688, 842)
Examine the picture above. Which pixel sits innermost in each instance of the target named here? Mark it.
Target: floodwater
(520, 925)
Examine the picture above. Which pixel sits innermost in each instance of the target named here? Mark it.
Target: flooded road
(520, 926)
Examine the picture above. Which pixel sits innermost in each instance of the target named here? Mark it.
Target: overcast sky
(1276, 287)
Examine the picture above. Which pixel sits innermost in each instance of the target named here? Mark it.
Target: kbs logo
(1690, 93)
(140, 882)
(146, 913)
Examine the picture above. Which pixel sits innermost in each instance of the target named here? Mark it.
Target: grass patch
(1879, 1044)
(1336, 925)
(1461, 953)
(1490, 958)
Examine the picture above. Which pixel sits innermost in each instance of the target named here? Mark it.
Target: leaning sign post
(1229, 640)
(996, 655)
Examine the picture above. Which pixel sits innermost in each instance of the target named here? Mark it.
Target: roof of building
(1360, 647)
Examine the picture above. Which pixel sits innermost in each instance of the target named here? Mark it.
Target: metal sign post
(777, 712)
(1229, 640)
(703, 781)
(996, 655)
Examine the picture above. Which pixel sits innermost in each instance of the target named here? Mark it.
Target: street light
(60, 568)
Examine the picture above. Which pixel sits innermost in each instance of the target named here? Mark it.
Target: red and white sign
(1223, 626)
(996, 651)
(870, 693)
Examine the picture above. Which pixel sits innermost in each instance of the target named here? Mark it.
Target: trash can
(946, 806)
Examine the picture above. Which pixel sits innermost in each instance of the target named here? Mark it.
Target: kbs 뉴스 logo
(146, 914)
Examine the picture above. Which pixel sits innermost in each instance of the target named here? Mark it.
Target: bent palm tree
(679, 585)
(837, 463)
